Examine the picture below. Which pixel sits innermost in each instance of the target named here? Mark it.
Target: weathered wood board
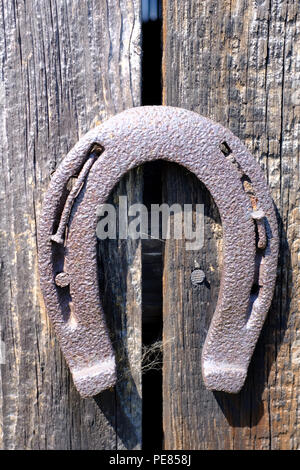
(236, 62)
(65, 66)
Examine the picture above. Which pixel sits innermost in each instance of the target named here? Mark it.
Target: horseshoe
(67, 239)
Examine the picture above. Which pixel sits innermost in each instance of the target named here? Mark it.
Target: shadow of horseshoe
(68, 259)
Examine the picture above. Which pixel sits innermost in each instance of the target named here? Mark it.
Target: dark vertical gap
(152, 250)
(152, 54)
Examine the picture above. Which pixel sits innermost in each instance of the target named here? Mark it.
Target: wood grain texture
(236, 62)
(187, 311)
(65, 66)
(120, 263)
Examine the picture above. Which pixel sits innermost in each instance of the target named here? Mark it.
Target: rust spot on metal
(67, 239)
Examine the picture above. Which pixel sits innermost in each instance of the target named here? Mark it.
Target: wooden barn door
(236, 62)
(66, 65)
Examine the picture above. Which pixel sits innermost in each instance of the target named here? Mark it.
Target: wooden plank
(65, 66)
(120, 282)
(236, 62)
(187, 311)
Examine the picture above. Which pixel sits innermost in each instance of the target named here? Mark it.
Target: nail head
(197, 277)
(62, 279)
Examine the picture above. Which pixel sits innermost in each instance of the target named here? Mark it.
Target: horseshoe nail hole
(247, 184)
(225, 149)
(96, 149)
(249, 190)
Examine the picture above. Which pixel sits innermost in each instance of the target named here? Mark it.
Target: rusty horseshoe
(67, 239)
